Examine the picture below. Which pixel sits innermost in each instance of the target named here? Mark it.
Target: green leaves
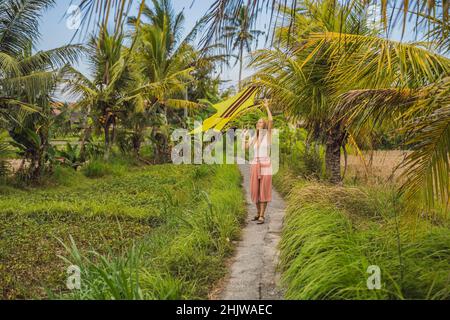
(19, 22)
(328, 69)
(423, 116)
(28, 80)
(371, 61)
(427, 166)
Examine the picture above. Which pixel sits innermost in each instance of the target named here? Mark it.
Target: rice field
(375, 166)
(169, 226)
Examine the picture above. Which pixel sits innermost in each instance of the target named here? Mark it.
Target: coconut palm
(135, 86)
(240, 35)
(405, 84)
(301, 86)
(18, 31)
(324, 60)
(111, 90)
(420, 108)
(28, 80)
(422, 115)
(368, 78)
(164, 59)
(166, 62)
(430, 17)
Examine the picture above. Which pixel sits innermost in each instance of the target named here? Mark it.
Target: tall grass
(140, 232)
(332, 234)
(179, 260)
(97, 167)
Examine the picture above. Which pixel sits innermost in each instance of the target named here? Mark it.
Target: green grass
(166, 228)
(332, 234)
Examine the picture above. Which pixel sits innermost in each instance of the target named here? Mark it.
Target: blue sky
(55, 33)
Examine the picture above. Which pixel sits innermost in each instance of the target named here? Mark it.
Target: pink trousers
(260, 183)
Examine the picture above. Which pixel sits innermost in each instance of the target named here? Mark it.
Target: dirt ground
(377, 166)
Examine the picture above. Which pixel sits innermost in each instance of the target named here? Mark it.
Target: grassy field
(380, 166)
(332, 234)
(158, 231)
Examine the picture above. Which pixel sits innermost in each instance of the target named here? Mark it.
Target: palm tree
(406, 84)
(240, 35)
(136, 86)
(18, 31)
(166, 62)
(112, 90)
(31, 131)
(359, 76)
(432, 21)
(322, 58)
(28, 80)
(301, 86)
(431, 17)
(423, 115)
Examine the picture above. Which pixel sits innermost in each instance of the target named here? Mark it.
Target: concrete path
(253, 272)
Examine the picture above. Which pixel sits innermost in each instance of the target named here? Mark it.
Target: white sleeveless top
(261, 155)
(261, 150)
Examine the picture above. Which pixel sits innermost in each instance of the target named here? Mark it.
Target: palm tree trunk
(137, 139)
(335, 138)
(113, 130)
(86, 135)
(241, 63)
(107, 139)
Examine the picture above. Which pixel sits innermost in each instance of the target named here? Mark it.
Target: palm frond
(423, 115)
(13, 110)
(19, 21)
(427, 166)
(392, 14)
(359, 106)
(179, 104)
(8, 64)
(376, 61)
(99, 12)
(51, 59)
(33, 84)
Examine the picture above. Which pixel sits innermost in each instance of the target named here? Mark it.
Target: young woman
(261, 168)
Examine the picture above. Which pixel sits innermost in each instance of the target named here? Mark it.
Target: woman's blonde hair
(266, 122)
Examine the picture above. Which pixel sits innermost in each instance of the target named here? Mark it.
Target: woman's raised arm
(269, 115)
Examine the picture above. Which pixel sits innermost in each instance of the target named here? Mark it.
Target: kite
(228, 110)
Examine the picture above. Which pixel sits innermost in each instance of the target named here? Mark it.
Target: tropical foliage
(430, 17)
(339, 75)
(28, 80)
(79, 183)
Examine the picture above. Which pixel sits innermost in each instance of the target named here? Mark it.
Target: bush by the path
(333, 234)
(157, 232)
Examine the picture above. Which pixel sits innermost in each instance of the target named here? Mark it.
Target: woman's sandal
(261, 220)
(256, 218)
